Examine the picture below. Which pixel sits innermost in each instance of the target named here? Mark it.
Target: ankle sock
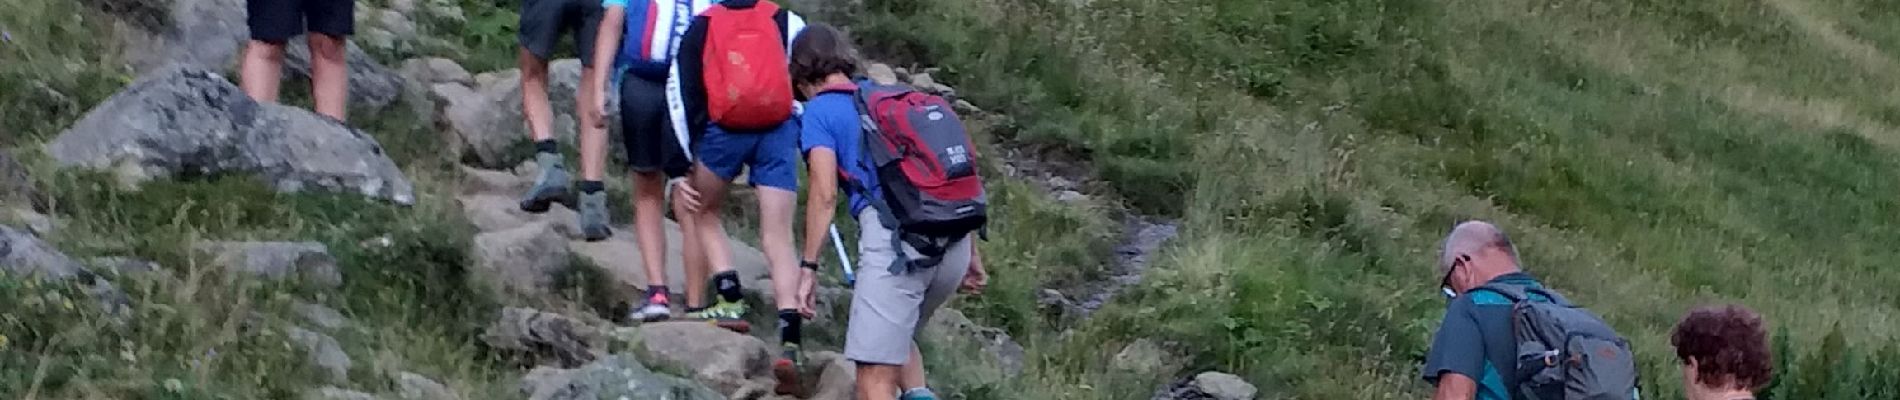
(727, 284)
(591, 187)
(789, 325)
(660, 289)
(547, 146)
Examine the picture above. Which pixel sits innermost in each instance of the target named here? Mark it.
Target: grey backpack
(1564, 352)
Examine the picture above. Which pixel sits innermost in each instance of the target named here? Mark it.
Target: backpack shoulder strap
(1514, 293)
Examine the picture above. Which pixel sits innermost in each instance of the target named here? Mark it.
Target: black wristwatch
(808, 264)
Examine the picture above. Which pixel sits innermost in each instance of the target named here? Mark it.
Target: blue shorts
(772, 155)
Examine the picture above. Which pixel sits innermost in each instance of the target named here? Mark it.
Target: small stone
(964, 107)
(1224, 386)
(1071, 196)
(324, 352)
(1142, 357)
(1061, 183)
(396, 23)
(881, 74)
(309, 261)
(413, 386)
(317, 314)
(336, 393)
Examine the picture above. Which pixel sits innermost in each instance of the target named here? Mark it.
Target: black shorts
(544, 22)
(647, 129)
(275, 21)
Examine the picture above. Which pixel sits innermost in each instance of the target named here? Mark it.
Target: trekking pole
(837, 242)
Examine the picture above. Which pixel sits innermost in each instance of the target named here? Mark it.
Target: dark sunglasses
(1444, 284)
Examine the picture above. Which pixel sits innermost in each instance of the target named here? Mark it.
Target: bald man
(1473, 356)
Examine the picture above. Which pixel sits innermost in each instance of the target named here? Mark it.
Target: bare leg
(775, 235)
(913, 374)
(877, 382)
(648, 212)
(329, 75)
(534, 96)
(693, 256)
(262, 70)
(712, 229)
(593, 138)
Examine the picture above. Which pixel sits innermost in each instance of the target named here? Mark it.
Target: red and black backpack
(926, 165)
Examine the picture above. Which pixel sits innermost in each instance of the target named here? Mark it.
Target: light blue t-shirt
(831, 121)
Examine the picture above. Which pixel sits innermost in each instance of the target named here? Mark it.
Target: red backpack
(748, 80)
(925, 164)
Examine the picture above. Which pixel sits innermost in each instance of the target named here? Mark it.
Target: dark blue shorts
(772, 155)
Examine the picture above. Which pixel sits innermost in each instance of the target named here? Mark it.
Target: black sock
(591, 187)
(788, 326)
(727, 283)
(547, 146)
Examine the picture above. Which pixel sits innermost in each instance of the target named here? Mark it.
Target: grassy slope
(1648, 155)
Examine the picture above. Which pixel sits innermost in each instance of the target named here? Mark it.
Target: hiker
(543, 24)
(893, 297)
(1724, 353)
(658, 158)
(273, 23)
(735, 102)
(1475, 354)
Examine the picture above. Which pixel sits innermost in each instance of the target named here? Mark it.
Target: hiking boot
(918, 394)
(653, 309)
(594, 217)
(786, 370)
(724, 314)
(549, 188)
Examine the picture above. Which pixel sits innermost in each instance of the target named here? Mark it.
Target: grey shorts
(888, 309)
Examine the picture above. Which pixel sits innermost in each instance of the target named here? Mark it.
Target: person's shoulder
(833, 106)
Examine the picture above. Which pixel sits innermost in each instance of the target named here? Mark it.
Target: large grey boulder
(17, 187)
(431, 71)
(487, 118)
(188, 121)
(543, 337)
(733, 364)
(1208, 386)
(23, 254)
(322, 317)
(372, 85)
(615, 377)
(996, 345)
(309, 262)
(206, 34)
(323, 351)
(521, 261)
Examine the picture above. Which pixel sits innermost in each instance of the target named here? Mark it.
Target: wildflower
(3, 342)
(174, 386)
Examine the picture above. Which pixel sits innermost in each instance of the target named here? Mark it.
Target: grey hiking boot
(594, 216)
(549, 188)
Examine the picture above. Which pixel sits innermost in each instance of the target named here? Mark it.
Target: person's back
(1474, 355)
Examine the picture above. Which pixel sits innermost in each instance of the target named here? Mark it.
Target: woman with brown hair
(1724, 353)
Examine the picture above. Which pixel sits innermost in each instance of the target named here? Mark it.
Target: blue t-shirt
(831, 121)
(1475, 341)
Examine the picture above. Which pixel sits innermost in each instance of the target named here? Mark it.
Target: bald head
(1485, 244)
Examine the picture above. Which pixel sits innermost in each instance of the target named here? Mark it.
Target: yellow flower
(3, 342)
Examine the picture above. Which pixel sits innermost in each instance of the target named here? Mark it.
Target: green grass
(1648, 156)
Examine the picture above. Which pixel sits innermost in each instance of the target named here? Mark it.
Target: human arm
(977, 278)
(606, 48)
(821, 199)
(1457, 356)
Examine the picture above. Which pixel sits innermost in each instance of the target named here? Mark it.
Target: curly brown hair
(819, 51)
(1729, 345)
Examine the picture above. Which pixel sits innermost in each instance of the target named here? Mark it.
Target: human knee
(327, 48)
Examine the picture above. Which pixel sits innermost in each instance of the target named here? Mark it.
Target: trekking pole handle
(837, 242)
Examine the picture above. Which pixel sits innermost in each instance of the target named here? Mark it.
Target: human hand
(808, 292)
(683, 192)
(976, 279)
